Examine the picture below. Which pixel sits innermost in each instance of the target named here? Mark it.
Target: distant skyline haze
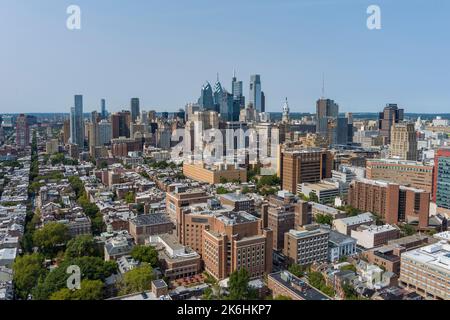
(162, 52)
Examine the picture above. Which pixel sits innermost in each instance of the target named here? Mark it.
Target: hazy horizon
(164, 51)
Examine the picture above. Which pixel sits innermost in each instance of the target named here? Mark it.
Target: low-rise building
(286, 284)
(426, 270)
(373, 236)
(146, 225)
(118, 246)
(325, 191)
(340, 245)
(177, 261)
(346, 225)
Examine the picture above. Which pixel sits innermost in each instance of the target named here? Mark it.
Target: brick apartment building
(392, 202)
(299, 166)
(226, 240)
(409, 173)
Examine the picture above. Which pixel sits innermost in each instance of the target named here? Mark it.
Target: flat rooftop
(151, 219)
(298, 286)
(435, 255)
(361, 218)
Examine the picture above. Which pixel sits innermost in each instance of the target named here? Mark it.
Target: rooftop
(361, 218)
(435, 255)
(298, 286)
(151, 219)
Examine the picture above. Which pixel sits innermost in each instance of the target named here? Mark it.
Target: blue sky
(163, 51)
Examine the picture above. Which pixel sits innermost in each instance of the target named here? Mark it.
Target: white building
(340, 245)
(374, 236)
(104, 132)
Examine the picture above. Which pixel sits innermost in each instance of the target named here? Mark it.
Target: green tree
(90, 290)
(317, 280)
(348, 267)
(137, 280)
(80, 247)
(130, 197)
(27, 271)
(222, 190)
(313, 197)
(223, 180)
(92, 268)
(324, 219)
(238, 286)
(51, 238)
(408, 230)
(297, 270)
(146, 254)
(349, 291)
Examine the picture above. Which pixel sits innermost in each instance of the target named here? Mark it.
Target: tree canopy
(50, 238)
(80, 247)
(137, 280)
(27, 271)
(90, 290)
(238, 286)
(146, 254)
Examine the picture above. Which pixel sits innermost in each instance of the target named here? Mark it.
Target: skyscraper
(285, 117)
(255, 96)
(135, 109)
(403, 144)
(120, 122)
(103, 113)
(224, 103)
(206, 100)
(22, 132)
(441, 184)
(263, 102)
(390, 115)
(76, 122)
(328, 124)
(238, 93)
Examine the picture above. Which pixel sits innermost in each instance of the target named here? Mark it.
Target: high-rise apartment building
(255, 95)
(390, 115)
(22, 132)
(403, 144)
(104, 132)
(226, 240)
(304, 165)
(66, 131)
(76, 122)
(392, 202)
(408, 173)
(441, 188)
(135, 109)
(120, 122)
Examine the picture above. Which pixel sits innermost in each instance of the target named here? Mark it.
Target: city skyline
(151, 58)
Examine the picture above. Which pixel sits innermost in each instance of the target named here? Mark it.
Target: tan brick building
(227, 240)
(214, 174)
(408, 173)
(304, 165)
